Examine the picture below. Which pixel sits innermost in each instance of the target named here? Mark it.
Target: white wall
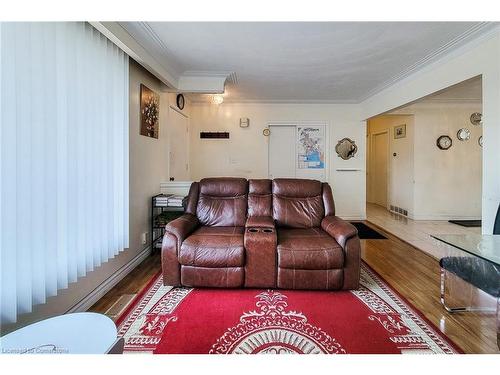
(480, 57)
(400, 167)
(447, 184)
(148, 156)
(245, 154)
(431, 183)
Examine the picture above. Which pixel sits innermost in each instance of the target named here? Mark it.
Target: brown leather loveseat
(280, 233)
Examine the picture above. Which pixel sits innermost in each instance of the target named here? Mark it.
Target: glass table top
(484, 246)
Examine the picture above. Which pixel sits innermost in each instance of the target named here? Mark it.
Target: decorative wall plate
(444, 142)
(480, 141)
(266, 132)
(476, 118)
(463, 134)
(346, 148)
(180, 101)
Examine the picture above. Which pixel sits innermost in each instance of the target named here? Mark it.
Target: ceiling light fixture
(217, 99)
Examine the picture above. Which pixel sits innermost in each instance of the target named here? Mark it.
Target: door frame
(326, 125)
(388, 166)
(188, 139)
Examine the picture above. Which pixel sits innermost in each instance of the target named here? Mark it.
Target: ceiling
(301, 61)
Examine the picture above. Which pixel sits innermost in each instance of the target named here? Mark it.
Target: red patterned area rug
(373, 319)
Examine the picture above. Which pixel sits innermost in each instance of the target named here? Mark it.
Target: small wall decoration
(400, 131)
(444, 142)
(480, 141)
(180, 101)
(214, 135)
(346, 148)
(476, 118)
(244, 122)
(150, 112)
(266, 132)
(463, 134)
(310, 147)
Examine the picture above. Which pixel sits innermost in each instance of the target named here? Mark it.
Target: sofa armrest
(346, 235)
(339, 229)
(175, 233)
(259, 222)
(182, 227)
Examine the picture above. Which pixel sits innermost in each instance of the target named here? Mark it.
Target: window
(64, 158)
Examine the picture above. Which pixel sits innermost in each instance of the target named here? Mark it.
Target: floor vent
(398, 210)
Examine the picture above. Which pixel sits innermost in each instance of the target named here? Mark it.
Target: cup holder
(260, 230)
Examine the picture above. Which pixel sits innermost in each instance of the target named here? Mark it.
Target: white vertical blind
(64, 158)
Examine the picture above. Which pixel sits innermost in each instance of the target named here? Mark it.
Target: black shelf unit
(160, 216)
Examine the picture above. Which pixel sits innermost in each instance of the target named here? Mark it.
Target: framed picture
(311, 147)
(400, 131)
(150, 112)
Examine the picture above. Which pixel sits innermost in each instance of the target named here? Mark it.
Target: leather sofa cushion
(230, 277)
(259, 197)
(222, 202)
(214, 247)
(308, 249)
(260, 222)
(296, 187)
(297, 203)
(310, 279)
(224, 187)
(259, 186)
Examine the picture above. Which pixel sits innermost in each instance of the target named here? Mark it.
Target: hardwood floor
(416, 232)
(414, 274)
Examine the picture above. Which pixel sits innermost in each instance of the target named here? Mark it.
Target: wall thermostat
(244, 122)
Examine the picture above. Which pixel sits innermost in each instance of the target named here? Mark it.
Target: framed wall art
(150, 112)
(400, 131)
(310, 147)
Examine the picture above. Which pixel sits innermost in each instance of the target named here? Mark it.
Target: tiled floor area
(416, 233)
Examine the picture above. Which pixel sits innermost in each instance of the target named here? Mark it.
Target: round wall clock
(480, 141)
(475, 118)
(180, 101)
(444, 142)
(266, 132)
(463, 134)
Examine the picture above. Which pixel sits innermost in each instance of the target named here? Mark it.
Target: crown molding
(204, 82)
(212, 82)
(166, 53)
(451, 100)
(199, 101)
(460, 44)
(119, 36)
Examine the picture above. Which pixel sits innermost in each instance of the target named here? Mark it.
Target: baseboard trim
(94, 296)
(352, 218)
(443, 217)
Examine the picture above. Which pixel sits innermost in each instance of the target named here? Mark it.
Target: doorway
(178, 146)
(281, 151)
(430, 186)
(298, 150)
(379, 168)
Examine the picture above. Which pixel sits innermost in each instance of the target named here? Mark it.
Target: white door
(282, 151)
(379, 160)
(178, 143)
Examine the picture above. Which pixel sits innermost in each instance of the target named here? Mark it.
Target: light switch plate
(244, 122)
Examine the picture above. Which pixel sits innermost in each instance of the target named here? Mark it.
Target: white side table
(78, 333)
